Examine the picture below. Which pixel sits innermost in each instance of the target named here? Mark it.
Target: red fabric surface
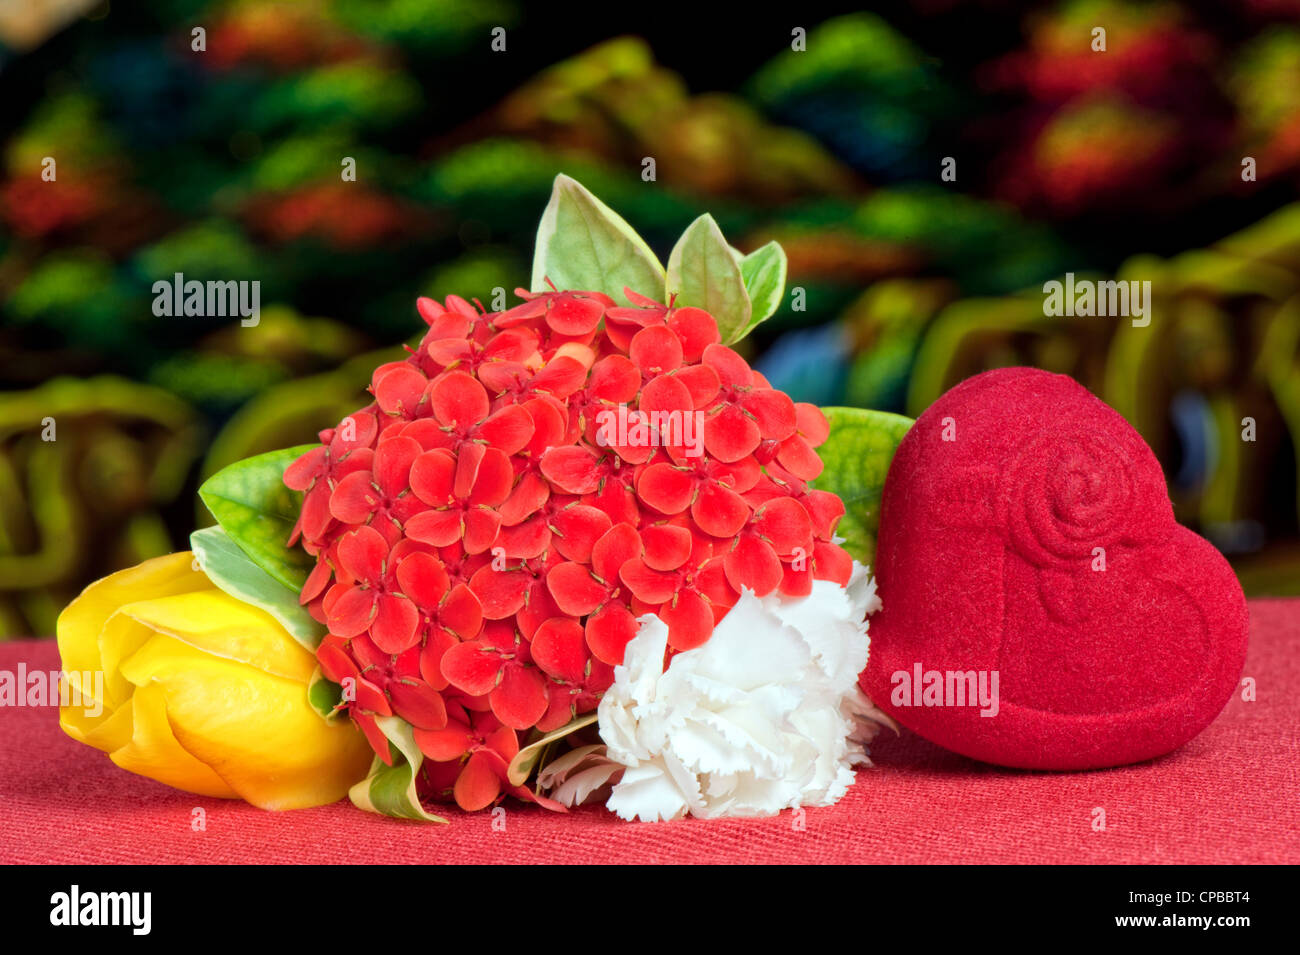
(988, 561)
(1231, 795)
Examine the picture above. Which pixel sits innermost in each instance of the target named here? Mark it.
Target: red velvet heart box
(1028, 549)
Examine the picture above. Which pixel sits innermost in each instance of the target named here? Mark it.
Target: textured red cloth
(1026, 531)
(1231, 795)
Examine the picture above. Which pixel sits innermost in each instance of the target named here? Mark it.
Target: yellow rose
(200, 691)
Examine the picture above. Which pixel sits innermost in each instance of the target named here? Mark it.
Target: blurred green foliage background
(225, 163)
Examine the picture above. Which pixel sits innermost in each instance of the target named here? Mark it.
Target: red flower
(531, 488)
(824, 508)
(399, 390)
(462, 493)
(603, 479)
(566, 525)
(525, 486)
(517, 590)
(477, 749)
(594, 592)
(690, 598)
(515, 347)
(398, 677)
(458, 320)
(345, 449)
(831, 562)
(577, 678)
(711, 489)
(513, 382)
(336, 663)
(744, 414)
(371, 600)
(460, 566)
(380, 495)
(448, 614)
(614, 381)
(320, 577)
(570, 314)
(462, 415)
(796, 453)
(655, 351)
(777, 529)
(498, 665)
(695, 327)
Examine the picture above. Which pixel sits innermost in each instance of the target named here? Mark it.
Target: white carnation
(764, 716)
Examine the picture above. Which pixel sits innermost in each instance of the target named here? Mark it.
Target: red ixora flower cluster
(485, 538)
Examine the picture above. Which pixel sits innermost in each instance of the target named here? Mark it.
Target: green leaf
(702, 271)
(250, 501)
(390, 790)
(583, 244)
(324, 695)
(233, 571)
(764, 272)
(522, 765)
(857, 456)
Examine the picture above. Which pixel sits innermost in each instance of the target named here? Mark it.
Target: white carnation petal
(837, 647)
(643, 663)
(618, 728)
(718, 743)
(862, 591)
(764, 716)
(753, 796)
(751, 648)
(647, 792)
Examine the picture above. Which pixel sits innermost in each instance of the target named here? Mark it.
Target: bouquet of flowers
(574, 551)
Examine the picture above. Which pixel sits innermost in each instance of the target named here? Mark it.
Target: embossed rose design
(1065, 494)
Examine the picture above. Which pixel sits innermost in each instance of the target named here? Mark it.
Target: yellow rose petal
(121, 637)
(258, 733)
(220, 625)
(79, 625)
(201, 691)
(154, 752)
(112, 733)
(77, 719)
